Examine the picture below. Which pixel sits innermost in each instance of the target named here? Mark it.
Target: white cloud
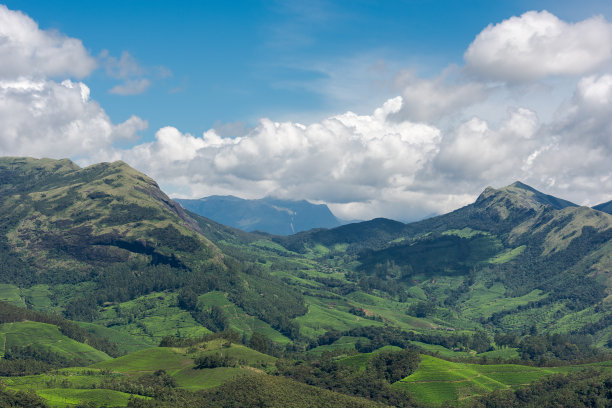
(475, 151)
(539, 44)
(344, 159)
(124, 67)
(47, 119)
(129, 70)
(26, 50)
(420, 153)
(131, 87)
(585, 119)
(433, 99)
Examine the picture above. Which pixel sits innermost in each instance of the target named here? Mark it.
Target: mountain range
(271, 215)
(518, 274)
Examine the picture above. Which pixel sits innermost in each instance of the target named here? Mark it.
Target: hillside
(79, 240)
(605, 207)
(517, 275)
(274, 216)
(57, 215)
(514, 256)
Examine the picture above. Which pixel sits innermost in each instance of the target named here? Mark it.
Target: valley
(492, 297)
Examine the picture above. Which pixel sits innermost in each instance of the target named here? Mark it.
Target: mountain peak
(520, 196)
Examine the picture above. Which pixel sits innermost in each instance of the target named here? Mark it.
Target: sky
(397, 109)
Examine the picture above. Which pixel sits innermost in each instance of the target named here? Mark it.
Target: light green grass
(48, 337)
(507, 256)
(485, 301)
(343, 343)
(240, 353)
(465, 232)
(62, 397)
(438, 381)
(11, 294)
(149, 318)
(146, 361)
(325, 315)
(360, 361)
(125, 342)
(74, 377)
(38, 296)
(192, 379)
(441, 350)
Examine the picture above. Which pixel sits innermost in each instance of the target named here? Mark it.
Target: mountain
(107, 234)
(274, 216)
(541, 253)
(95, 253)
(605, 207)
(495, 210)
(57, 215)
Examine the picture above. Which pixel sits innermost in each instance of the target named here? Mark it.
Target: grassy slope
(47, 336)
(438, 381)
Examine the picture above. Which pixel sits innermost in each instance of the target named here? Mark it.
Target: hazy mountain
(274, 216)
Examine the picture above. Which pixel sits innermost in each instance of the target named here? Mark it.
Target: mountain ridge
(268, 214)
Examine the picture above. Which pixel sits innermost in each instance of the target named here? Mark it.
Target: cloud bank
(429, 150)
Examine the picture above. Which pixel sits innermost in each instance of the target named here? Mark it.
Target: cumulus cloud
(45, 119)
(26, 50)
(475, 151)
(432, 99)
(344, 159)
(418, 154)
(585, 119)
(40, 116)
(539, 44)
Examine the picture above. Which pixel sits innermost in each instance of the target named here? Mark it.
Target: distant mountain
(274, 216)
(605, 207)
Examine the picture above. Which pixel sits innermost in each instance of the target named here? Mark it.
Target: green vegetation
(47, 337)
(516, 277)
(438, 381)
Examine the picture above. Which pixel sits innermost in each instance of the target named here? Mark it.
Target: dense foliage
(374, 382)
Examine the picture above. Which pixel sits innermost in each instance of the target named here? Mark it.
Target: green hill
(518, 274)
(439, 381)
(47, 337)
(106, 235)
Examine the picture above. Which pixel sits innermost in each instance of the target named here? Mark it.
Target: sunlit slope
(47, 337)
(439, 381)
(57, 215)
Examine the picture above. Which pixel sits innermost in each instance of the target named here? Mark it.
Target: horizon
(399, 110)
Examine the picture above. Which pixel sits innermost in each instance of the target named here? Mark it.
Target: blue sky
(239, 61)
(156, 75)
